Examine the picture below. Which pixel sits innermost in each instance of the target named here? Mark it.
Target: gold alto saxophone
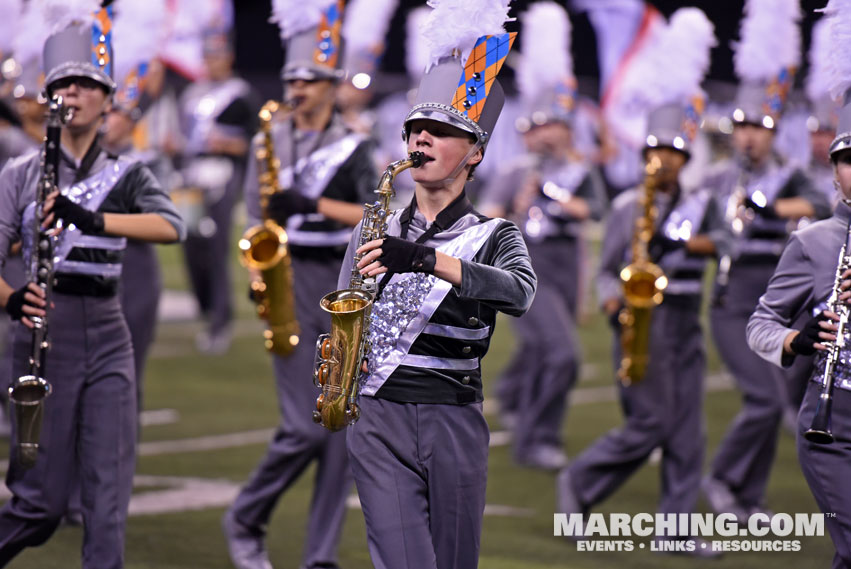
(27, 393)
(263, 248)
(643, 282)
(341, 353)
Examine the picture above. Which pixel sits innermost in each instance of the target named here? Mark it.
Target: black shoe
(246, 547)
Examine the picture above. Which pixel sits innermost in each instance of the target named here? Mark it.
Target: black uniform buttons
(466, 349)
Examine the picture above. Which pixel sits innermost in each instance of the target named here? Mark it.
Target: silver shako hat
(674, 125)
(468, 45)
(82, 48)
(311, 34)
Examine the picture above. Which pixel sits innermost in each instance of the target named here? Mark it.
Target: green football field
(213, 414)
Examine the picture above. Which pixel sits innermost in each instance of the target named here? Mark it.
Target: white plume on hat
(457, 24)
(546, 58)
(366, 23)
(59, 14)
(12, 11)
(673, 67)
(139, 32)
(30, 35)
(818, 79)
(296, 16)
(770, 39)
(669, 70)
(839, 64)
(417, 54)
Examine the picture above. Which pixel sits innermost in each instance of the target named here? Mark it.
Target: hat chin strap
(454, 174)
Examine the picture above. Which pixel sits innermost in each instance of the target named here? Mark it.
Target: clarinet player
(89, 425)
(808, 281)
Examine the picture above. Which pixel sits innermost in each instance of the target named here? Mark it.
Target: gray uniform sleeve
(505, 280)
(149, 197)
(800, 185)
(251, 187)
(789, 292)
(12, 178)
(717, 229)
(616, 239)
(593, 192)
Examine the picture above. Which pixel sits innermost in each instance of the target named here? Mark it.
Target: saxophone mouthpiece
(418, 159)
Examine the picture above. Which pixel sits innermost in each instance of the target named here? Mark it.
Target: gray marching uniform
(338, 167)
(545, 366)
(744, 458)
(89, 429)
(665, 409)
(419, 451)
(800, 287)
(210, 108)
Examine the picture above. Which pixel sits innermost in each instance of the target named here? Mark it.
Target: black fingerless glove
(767, 211)
(283, 205)
(85, 220)
(15, 303)
(400, 256)
(802, 344)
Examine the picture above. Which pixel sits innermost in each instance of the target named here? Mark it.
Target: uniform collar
(459, 207)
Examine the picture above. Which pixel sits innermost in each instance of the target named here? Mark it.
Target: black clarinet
(819, 431)
(27, 393)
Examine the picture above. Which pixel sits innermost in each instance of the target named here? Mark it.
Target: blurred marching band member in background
(218, 118)
(665, 408)
(549, 191)
(763, 197)
(326, 175)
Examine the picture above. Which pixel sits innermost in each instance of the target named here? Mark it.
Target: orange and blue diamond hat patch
(479, 73)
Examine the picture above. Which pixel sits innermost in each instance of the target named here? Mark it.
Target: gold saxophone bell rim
(247, 244)
(359, 299)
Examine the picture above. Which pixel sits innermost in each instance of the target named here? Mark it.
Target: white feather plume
(818, 79)
(672, 68)
(296, 16)
(839, 14)
(59, 14)
(366, 23)
(11, 11)
(138, 33)
(30, 36)
(457, 24)
(417, 56)
(770, 39)
(546, 58)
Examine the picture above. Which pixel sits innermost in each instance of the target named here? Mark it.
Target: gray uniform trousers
(421, 473)
(141, 285)
(746, 453)
(545, 366)
(89, 429)
(298, 440)
(826, 468)
(208, 257)
(665, 410)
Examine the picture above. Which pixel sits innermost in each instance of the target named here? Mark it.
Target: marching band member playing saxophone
(419, 451)
(89, 426)
(327, 174)
(800, 286)
(764, 197)
(665, 408)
